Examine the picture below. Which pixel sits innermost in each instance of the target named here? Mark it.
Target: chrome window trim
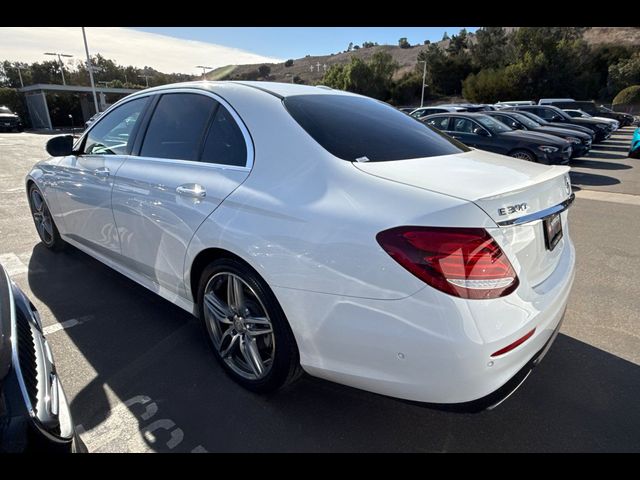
(241, 125)
(561, 207)
(248, 140)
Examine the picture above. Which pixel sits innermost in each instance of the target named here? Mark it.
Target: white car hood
(489, 180)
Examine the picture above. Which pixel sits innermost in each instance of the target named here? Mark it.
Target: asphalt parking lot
(139, 376)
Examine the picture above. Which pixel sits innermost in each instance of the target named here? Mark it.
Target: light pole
(18, 67)
(90, 68)
(204, 70)
(60, 55)
(424, 78)
(146, 78)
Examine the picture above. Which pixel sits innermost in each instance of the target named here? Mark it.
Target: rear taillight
(465, 262)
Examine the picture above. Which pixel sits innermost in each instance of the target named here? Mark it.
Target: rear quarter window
(353, 127)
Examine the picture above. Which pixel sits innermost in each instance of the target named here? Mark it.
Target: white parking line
(12, 264)
(609, 197)
(66, 324)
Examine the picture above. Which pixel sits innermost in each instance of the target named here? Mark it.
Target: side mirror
(60, 146)
(481, 131)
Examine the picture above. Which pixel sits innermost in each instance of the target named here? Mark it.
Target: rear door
(194, 153)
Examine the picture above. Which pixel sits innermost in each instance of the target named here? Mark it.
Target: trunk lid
(505, 188)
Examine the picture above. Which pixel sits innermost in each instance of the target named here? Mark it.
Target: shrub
(264, 70)
(288, 63)
(628, 96)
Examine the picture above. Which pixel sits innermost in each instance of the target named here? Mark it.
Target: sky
(180, 49)
(296, 42)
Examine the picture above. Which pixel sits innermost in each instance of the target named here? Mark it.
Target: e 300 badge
(509, 209)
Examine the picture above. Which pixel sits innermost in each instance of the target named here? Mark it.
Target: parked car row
(482, 131)
(580, 141)
(586, 109)
(547, 133)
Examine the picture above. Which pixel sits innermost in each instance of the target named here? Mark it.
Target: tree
(350, 47)
(488, 86)
(445, 36)
(288, 63)
(264, 71)
(407, 90)
(458, 43)
(427, 42)
(404, 43)
(492, 48)
(625, 72)
(373, 78)
(356, 47)
(445, 71)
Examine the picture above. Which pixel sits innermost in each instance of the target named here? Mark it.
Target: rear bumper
(495, 398)
(430, 347)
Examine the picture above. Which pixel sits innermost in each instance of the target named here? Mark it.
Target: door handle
(191, 190)
(102, 172)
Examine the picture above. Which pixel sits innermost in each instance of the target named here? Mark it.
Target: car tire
(523, 155)
(43, 220)
(234, 334)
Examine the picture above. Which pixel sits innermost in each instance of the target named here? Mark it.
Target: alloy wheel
(522, 156)
(41, 217)
(239, 326)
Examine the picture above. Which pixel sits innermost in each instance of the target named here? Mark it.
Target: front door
(85, 181)
(194, 154)
(467, 130)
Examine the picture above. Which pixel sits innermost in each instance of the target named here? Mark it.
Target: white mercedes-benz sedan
(316, 230)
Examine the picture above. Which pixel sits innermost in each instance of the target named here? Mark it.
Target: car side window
(463, 125)
(177, 126)
(509, 122)
(111, 134)
(441, 123)
(225, 143)
(544, 113)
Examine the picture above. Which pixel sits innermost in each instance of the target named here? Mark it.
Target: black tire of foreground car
(523, 155)
(45, 225)
(246, 327)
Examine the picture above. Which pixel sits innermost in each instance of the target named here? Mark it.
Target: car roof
(460, 114)
(278, 89)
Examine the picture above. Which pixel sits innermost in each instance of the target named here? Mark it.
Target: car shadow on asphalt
(591, 179)
(606, 156)
(605, 145)
(580, 398)
(588, 163)
(611, 147)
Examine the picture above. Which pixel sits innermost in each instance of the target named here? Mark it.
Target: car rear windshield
(362, 129)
